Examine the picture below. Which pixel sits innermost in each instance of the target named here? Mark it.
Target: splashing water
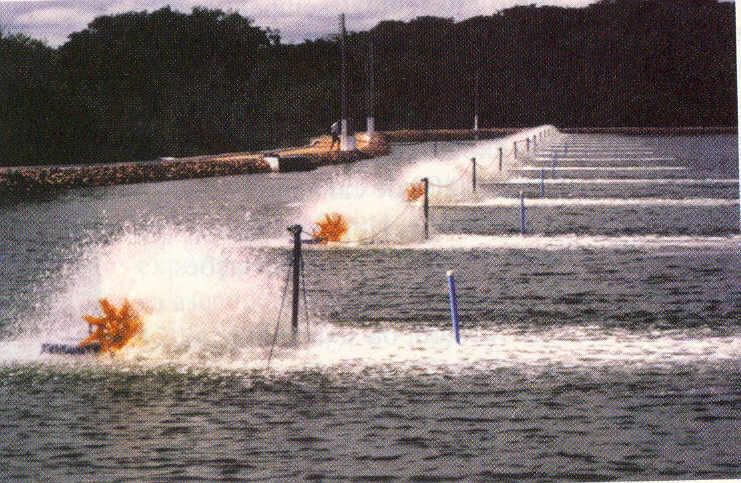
(448, 181)
(431, 350)
(199, 295)
(486, 154)
(363, 214)
(372, 215)
(331, 228)
(450, 175)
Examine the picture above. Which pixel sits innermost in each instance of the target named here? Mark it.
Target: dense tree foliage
(165, 83)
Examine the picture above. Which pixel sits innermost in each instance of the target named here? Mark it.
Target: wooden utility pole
(347, 143)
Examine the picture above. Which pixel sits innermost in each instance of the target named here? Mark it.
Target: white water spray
(200, 296)
(372, 214)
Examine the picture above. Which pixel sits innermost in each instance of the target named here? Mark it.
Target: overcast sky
(297, 20)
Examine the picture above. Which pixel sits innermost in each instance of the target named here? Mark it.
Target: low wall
(41, 179)
(322, 152)
(19, 181)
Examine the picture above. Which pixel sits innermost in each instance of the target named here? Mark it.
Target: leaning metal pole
(296, 232)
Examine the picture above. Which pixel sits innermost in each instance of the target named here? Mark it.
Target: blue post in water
(453, 307)
(522, 213)
(553, 167)
(542, 182)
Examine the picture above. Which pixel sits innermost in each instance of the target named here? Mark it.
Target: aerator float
(109, 333)
(414, 191)
(331, 228)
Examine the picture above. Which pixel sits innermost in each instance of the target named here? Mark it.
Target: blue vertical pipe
(500, 159)
(542, 182)
(473, 176)
(453, 307)
(522, 213)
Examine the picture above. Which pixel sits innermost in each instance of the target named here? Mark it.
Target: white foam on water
(574, 242)
(604, 141)
(576, 154)
(600, 147)
(487, 349)
(199, 296)
(648, 181)
(450, 174)
(389, 347)
(600, 168)
(448, 180)
(372, 214)
(566, 154)
(208, 301)
(552, 148)
(442, 242)
(504, 202)
(380, 214)
(602, 158)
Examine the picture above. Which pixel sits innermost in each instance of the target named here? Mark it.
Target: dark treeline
(165, 83)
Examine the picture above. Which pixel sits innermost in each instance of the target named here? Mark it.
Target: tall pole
(542, 182)
(476, 85)
(522, 213)
(476, 102)
(346, 143)
(453, 307)
(296, 231)
(473, 176)
(426, 182)
(371, 120)
(343, 74)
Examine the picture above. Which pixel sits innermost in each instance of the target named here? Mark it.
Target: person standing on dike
(334, 130)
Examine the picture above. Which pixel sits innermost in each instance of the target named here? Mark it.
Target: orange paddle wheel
(414, 191)
(114, 329)
(331, 228)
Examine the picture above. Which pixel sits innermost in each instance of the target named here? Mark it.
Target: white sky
(53, 20)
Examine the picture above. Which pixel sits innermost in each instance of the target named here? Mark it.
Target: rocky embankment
(29, 180)
(42, 179)
(321, 151)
